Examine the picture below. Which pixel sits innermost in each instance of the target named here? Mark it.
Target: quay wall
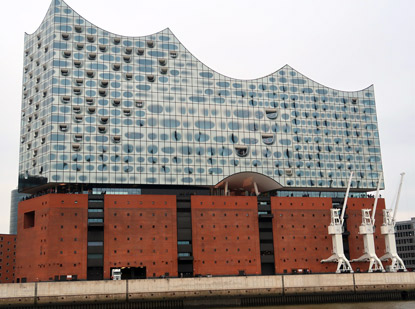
(202, 290)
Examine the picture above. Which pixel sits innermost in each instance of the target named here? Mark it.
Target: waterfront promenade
(214, 291)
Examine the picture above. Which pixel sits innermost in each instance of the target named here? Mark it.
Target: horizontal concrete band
(148, 289)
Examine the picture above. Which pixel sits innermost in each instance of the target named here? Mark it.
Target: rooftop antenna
(336, 230)
(388, 229)
(367, 229)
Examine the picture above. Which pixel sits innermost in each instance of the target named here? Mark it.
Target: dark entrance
(266, 239)
(132, 272)
(184, 236)
(95, 260)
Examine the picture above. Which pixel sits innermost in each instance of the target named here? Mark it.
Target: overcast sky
(346, 45)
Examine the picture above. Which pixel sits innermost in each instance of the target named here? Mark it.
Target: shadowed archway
(247, 181)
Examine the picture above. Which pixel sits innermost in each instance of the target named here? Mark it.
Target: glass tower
(106, 109)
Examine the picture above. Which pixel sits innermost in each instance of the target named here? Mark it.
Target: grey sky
(346, 45)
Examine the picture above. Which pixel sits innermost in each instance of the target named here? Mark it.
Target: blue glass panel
(197, 99)
(57, 137)
(128, 94)
(90, 93)
(321, 91)
(218, 100)
(134, 135)
(107, 57)
(206, 74)
(233, 125)
(60, 45)
(155, 108)
(371, 126)
(298, 81)
(156, 53)
(204, 124)
(170, 123)
(98, 66)
(61, 166)
(59, 63)
(223, 84)
(242, 113)
(215, 170)
(224, 151)
(115, 49)
(201, 137)
(127, 43)
(146, 69)
(168, 150)
(168, 46)
(146, 62)
(374, 150)
(249, 141)
(58, 118)
(103, 41)
(186, 150)
(164, 38)
(60, 19)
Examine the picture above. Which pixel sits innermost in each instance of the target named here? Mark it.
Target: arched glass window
(241, 151)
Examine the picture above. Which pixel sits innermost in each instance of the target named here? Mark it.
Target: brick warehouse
(7, 258)
(136, 155)
(225, 235)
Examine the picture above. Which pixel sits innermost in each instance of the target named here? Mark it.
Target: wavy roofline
(193, 55)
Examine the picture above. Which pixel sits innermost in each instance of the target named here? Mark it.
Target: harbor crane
(336, 230)
(367, 229)
(388, 229)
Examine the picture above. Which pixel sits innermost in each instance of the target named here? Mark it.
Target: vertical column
(95, 257)
(266, 241)
(184, 237)
(337, 203)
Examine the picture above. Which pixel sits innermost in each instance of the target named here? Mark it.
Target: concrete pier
(216, 291)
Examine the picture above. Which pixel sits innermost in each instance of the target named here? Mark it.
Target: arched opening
(246, 183)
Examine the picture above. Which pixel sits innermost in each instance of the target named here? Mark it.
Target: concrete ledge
(385, 281)
(202, 294)
(204, 284)
(300, 284)
(203, 287)
(216, 290)
(80, 291)
(17, 293)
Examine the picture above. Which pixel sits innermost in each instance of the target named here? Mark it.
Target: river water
(369, 305)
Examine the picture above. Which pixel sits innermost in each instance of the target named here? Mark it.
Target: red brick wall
(141, 230)
(354, 212)
(57, 243)
(300, 233)
(225, 235)
(7, 257)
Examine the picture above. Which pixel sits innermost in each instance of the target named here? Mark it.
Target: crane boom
(397, 198)
(345, 199)
(388, 230)
(376, 199)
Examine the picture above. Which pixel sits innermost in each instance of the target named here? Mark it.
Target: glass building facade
(106, 109)
(405, 242)
(16, 197)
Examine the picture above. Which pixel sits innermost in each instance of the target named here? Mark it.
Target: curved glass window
(241, 151)
(271, 114)
(268, 139)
